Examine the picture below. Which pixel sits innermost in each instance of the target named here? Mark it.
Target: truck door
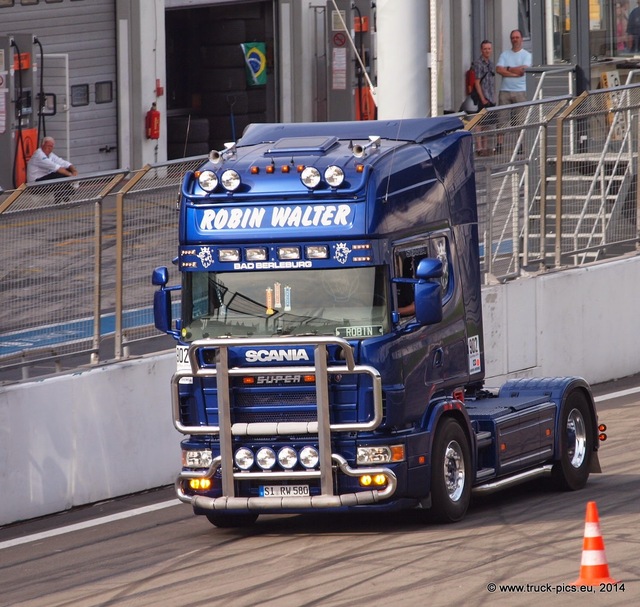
(433, 357)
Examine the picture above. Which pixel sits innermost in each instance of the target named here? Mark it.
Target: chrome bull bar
(322, 427)
(324, 500)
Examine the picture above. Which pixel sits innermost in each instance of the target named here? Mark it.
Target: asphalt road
(149, 550)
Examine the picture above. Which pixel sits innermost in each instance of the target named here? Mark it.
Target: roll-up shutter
(84, 31)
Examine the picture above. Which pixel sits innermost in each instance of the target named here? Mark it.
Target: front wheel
(450, 473)
(227, 520)
(576, 442)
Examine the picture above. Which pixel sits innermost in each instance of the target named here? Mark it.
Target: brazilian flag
(255, 59)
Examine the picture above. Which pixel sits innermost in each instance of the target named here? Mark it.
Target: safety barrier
(556, 186)
(77, 256)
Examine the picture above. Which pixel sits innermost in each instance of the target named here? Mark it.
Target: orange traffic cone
(594, 569)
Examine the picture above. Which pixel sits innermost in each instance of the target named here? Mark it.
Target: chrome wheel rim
(454, 471)
(576, 438)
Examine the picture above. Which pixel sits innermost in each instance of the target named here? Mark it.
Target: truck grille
(288, 400)
(271, 399)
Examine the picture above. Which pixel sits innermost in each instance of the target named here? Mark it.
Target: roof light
(229, 254)
(334, 176)
(230, 180)
(316, 251)
(310, 177)
(256, 254)
(208, 181)
(288, 252)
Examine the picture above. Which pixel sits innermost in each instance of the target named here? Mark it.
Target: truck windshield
(345, 302)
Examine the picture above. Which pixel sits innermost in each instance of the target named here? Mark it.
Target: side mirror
(429, 269)
(161, 300)
(160, 277)
(428, 292)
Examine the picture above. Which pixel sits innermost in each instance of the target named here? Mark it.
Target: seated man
(45, 165)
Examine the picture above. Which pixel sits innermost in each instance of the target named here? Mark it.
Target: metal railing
(557, 181)
(51, 251)
(556, 186)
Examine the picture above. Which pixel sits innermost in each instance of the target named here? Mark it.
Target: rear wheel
(576, 441)
(450, 473)
(227, 520)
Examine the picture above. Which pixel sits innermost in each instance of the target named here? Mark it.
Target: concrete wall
(104, 432)
(582, 321)
(86, 437)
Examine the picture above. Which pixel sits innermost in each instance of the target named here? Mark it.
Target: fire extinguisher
(152, 122)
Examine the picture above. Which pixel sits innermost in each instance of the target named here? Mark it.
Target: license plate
(183, 364)
(283, 490)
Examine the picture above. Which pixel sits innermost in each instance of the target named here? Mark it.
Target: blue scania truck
(329, 339)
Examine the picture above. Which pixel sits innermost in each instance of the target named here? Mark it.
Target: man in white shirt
(511, 66)
(45, 165)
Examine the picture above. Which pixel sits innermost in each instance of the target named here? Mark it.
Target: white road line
(613, 395)
(87, 524)
(146, 509)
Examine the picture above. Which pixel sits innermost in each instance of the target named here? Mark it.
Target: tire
(576, 441)
(226, 520)
(450, 473)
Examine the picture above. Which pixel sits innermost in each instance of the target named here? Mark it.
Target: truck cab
(329, 340)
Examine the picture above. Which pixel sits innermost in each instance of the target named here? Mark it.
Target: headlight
(230, 180)
(310, 177)
(266, 458)
(334, 176)
(381, 454)
(287, 457)
(208, 181)
(309, 457)
(244, 458)
(197, 458)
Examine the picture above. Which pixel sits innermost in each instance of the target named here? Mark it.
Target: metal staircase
(586, 195)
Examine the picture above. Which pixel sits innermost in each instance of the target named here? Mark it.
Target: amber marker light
(248, 381)
(270, 169)
(308, 379)
(300, 168)
(366, 480)
(286, 168)
(602, 436)
(255, 170)
(200, 484)
(379, 480)
(397, 453)
(359, 168)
